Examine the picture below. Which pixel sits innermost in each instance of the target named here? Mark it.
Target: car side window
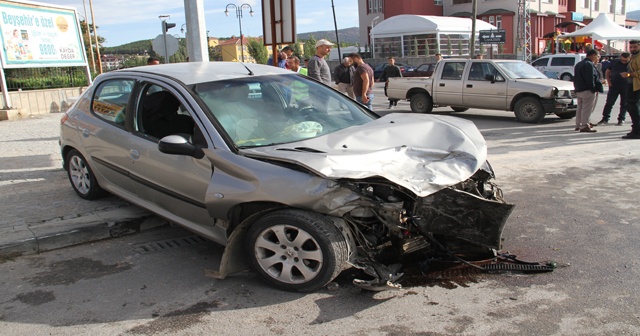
(453, 70)
(481, 71)
(540, 62)
(562, 61)
(110, 100)
(160, 113)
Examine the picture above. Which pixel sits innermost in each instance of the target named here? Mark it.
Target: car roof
(200, 72)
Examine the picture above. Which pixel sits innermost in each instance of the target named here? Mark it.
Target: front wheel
(81, 176)
(529, 110)
(421, 103)
(296, 250)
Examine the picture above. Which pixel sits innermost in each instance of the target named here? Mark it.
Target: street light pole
(373, 42)
(239, 16)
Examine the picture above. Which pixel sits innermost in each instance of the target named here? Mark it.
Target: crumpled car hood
(423, 153)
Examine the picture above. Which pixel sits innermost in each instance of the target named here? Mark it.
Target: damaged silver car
(292, 177)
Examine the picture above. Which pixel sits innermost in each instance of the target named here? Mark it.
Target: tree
(90, 46)
(297, 50)
(258, 51)
(415, 47)
(310, 47)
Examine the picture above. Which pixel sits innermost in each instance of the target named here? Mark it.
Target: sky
(633, 5)
(124, 21)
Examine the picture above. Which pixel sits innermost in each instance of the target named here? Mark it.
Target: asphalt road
(576, 197)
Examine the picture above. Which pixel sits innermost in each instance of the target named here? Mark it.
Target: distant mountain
(347, 35)
(634, 15)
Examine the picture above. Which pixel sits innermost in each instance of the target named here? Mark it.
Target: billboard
(39, 35)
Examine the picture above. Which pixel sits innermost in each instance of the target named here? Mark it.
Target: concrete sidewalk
(39, 209)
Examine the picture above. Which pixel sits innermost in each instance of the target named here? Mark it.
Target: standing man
(342, 75)
(438, 57)
(617, 87)
(362, 81)
(293, 62)
(283, 55)
(153, 61)
(318, 67)
(633, 99)
(587, 83)
(391, 70)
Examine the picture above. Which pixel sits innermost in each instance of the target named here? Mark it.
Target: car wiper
(301, 149)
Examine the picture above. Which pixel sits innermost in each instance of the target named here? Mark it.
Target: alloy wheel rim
(79, 175)
(288, 254)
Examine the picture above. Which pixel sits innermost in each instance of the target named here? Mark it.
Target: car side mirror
(490, 78)
(178, 145)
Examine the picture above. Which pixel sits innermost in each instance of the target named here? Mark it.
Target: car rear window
(110, 100)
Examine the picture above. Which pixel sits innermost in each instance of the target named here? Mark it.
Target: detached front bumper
(559, 105)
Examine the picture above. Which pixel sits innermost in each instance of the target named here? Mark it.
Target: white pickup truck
(505, 85)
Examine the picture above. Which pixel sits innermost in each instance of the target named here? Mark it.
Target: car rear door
(447, 89)
(103, 134)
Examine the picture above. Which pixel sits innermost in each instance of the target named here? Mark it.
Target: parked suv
(558, 65)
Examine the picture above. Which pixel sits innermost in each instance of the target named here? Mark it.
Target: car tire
(529, 110)
(568, 115)
(566, 77)
(459, 109)
(421, 103)
(296, 250)
(81, 176)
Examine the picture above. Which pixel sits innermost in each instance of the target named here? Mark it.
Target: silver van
(559, 65)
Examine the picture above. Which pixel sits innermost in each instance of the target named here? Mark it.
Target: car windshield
(267, 110)
(517, 70)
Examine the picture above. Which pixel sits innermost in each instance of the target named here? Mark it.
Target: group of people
(623, 79)
(353, 76)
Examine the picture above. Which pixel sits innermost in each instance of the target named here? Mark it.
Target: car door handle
(134, 154)
(469, 85)
(441, 84)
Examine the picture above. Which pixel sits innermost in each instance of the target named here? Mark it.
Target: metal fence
(45, 78)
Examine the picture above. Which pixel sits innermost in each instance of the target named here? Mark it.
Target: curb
(33, 238)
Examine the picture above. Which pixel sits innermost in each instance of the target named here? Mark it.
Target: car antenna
(250, 72)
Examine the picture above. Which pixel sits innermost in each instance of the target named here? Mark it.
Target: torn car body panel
(412, 181)
(422, 153)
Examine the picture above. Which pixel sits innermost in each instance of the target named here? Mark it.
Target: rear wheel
(296, 250)
(566, 76)
(459, 109)
(421, 103)
(81, 177)
(529, 110)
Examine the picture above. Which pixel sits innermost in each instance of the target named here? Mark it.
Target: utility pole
(472, 43)
(335, 25)
(95, 35)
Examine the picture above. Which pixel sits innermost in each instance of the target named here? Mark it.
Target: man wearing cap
(318, 68)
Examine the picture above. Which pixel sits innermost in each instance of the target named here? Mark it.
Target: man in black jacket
(587, 83)
(391, 70)
(617, 87)
(343, 77)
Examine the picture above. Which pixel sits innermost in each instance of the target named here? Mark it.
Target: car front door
(484, 87)
(448, 88)
(172, 185)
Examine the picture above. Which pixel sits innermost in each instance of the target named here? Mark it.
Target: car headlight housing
(561, 93)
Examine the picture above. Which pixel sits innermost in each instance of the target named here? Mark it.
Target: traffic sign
(172, 45)
(498, 36)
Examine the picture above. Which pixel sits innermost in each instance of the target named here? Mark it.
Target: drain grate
(525, 268)
(162, 245)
